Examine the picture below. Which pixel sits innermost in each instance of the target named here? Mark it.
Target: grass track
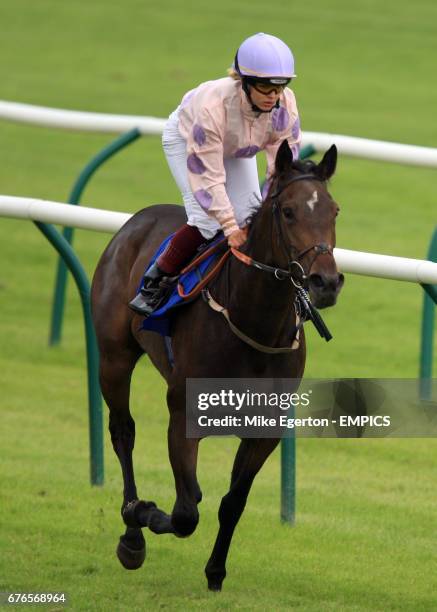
(367, 511)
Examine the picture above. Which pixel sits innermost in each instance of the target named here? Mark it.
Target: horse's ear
(326, 168)
(284, 158)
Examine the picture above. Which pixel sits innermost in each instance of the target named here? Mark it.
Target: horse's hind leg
(115, 377)
(250, 457)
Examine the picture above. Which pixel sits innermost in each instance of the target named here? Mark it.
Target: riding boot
(160, 276)
(151, 292)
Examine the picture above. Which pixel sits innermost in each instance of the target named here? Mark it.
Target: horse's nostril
(331, 282)
(316, 281)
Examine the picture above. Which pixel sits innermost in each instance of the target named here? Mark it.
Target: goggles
(268, 87)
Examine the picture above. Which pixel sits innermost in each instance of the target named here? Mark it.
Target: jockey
(210, 142)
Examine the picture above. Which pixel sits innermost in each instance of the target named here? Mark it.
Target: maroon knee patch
(180, 249)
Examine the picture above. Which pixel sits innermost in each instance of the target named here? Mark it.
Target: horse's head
(303, 226)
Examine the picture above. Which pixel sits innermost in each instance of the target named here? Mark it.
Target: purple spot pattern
(199, 134)
(296, 128)
(204, 198)
(280, 119)
(249, 151)
(195, 164)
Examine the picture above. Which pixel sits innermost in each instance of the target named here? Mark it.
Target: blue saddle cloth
(160, 320)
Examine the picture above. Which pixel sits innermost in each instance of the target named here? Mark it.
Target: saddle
(181, 289)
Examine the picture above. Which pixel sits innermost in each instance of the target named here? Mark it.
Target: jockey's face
(265, 101)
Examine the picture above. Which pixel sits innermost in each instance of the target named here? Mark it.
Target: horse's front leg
(185, 516)
(183, 459)
(250, 457)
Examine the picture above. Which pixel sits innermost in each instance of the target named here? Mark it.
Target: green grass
(367, 510)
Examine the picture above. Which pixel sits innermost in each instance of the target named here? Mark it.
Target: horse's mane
(305, 166)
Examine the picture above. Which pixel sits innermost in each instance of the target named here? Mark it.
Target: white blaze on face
(313, 199)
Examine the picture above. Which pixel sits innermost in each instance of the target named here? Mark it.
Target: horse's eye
(288, 213)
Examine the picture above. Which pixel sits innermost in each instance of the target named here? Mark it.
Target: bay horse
(294, 228)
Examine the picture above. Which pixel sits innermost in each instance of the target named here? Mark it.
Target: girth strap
(256, 345)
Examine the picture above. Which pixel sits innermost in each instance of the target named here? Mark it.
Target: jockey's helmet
(264, 58)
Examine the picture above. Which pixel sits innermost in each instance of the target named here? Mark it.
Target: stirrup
(151, 297)
(144, 302)
(140, 306)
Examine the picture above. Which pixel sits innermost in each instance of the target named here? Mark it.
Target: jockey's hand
(237, 238)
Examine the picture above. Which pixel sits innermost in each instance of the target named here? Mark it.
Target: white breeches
(242, 184)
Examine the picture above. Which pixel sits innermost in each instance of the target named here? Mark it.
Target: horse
(291, 236)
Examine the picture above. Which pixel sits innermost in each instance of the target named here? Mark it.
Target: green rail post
(75, 195)
(427, 338)
(288, 444)
(288, 479)
(94, 393)
(307, 151)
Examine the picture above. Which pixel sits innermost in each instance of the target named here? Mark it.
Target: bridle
(305, 311)
(295, 271)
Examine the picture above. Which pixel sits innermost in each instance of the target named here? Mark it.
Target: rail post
(288, 444)
(427, 331)
(94, 394)
(74, 198)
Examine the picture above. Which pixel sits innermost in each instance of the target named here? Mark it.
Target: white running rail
(353, 262)
(101, 122)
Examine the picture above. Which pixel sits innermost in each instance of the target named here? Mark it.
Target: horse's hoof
(215, 578)
(130, 512)
(130, 558)
(215, 586)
